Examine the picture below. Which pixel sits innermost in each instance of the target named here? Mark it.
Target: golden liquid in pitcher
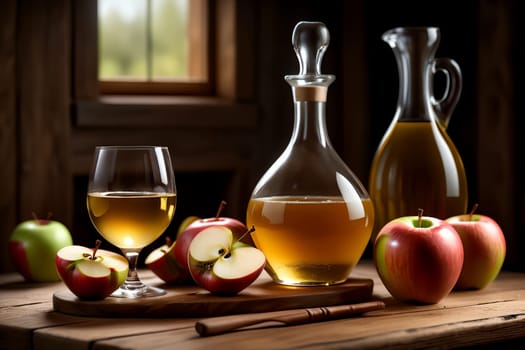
(418, 167)
(131, 220)
(310, 240)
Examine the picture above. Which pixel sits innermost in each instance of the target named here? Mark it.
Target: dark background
(46, 145)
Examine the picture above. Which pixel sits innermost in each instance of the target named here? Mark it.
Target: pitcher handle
(447, 103)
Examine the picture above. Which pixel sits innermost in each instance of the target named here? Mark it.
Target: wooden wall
(35, 117)
(51, 116)
(8, 127)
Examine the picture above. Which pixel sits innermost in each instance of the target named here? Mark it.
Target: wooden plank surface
(463, 318)
(437, 328)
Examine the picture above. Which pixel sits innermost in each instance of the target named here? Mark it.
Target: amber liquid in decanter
(312, 216)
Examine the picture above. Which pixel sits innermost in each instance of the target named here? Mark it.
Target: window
(153, 46)
(229, 26)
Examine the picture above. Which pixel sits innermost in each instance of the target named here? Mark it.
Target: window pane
(169, 40)
(122, 39)
(153, 40)
(153, 46)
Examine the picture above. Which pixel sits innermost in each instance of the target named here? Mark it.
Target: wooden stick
(223, 324)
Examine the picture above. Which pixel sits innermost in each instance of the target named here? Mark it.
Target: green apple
(33, 246)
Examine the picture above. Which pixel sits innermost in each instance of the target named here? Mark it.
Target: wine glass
(131, 200)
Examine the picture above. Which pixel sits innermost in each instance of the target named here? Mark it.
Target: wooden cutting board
(193, 301)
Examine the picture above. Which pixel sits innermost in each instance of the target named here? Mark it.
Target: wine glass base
(143, 292)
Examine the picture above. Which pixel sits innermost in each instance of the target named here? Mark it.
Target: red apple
(185, 223)
(484, 246)
(33, 245)
(186, 236)
(91, 274)
(222, 265)
(418, 258)
(163, 263)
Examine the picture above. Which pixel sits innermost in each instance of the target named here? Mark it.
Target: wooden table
(493, 316)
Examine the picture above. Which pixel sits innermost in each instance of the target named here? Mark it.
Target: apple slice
(221, 265)
(91, 274)
(163, 263)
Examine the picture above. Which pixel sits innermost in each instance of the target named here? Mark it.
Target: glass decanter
(416, 164)
(312, 216)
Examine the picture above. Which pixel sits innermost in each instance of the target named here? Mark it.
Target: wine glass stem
(132, 281)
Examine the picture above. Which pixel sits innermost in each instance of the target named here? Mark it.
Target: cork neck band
(309, 93)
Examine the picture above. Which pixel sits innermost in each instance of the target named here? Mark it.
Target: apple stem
(221, 207)
(419, 217)
(98, 242)
(167, 241)
(473, 210)
(250, 230)
(168, 244)
(42, 221)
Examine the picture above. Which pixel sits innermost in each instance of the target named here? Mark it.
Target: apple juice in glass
(131, 200)
(312, 216)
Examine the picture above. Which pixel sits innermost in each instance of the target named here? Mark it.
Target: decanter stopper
(310, 40)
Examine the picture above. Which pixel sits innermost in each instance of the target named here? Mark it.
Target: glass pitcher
(312, 216)
(416, 164)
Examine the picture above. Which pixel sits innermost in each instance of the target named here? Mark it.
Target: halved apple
(221, 265)
(91, 274)
(163, 263)
(193, 225)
